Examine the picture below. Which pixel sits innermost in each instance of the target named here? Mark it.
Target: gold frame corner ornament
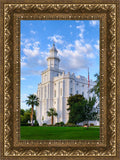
(12, 12)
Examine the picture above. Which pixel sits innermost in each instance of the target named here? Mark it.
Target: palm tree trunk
(32, 116)
(52, 120)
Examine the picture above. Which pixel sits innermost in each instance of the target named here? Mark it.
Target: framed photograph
(60, 79)
(60, 88)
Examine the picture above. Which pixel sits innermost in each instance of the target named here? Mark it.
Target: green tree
(76, 108)
(96, 88)
(22, 111)
(26, 116)
(33, 101)
(51, 113)
(89, 112)
(81, 109)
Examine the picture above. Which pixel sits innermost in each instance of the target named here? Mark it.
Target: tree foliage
(22, 111)
(26, 117)
(90, 113)
(76, 107)
(81, 109)
(96, 88)
(32, 100)
(51, 113)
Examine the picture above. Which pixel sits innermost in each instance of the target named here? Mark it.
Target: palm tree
(51, 113)
(33, 101)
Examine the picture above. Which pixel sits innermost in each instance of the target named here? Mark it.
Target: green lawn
(59, 133)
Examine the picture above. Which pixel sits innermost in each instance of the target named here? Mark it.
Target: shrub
(25, 124)
(61, 123)
(36, 123)
(44, 124)
(57, 124)
(91, 124)
(71, 125)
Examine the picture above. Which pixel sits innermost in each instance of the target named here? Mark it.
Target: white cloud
(76, 56)
(82, 29)
(56, 39)
(23, 64)
(32, 49)
(23, 103)
(24, 96)
(31, 71)
(94, 22)
(77, 21)
(21, 43)
(23, 58)
(33, 32)
(22, 78)
(70, 26)
(49, 46)
(97, 45)
(30, 87)
(42, 62)
(31, 52)
(90, 55)
(32, 59)
(69, 46)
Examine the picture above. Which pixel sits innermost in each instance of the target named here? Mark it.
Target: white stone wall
(54, 94)
(55, 88)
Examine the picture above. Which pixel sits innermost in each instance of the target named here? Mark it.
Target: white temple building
(56, 87)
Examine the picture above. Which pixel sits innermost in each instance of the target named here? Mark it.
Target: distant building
(56, 87)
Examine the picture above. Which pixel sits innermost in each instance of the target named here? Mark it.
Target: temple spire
(53, 50)
(53, 59)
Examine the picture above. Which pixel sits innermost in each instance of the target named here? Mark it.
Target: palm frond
(32, 100)
(52, 112)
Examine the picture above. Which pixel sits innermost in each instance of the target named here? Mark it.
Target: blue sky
(77, 42)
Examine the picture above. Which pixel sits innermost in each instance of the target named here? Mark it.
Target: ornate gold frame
(108, 13)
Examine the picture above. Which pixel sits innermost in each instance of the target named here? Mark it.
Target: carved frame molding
(12, 13)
